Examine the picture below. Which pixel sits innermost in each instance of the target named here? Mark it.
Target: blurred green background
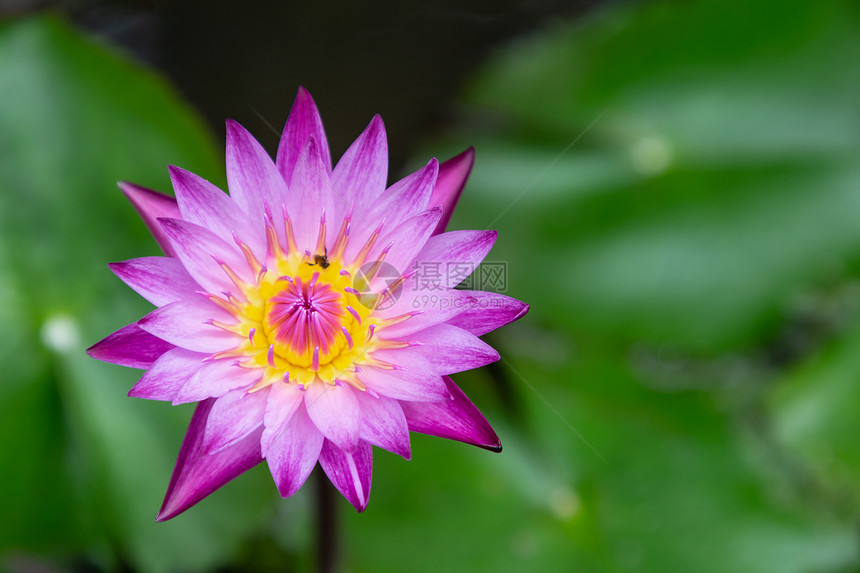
(677, 190)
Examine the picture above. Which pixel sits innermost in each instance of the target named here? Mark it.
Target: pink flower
(292, 311)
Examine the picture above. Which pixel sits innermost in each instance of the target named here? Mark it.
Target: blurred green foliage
(85, 467)
(678, 194)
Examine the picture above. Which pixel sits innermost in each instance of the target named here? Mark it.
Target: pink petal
(196, 474)
(184, 323)
(334, 410)
(284, 399)
(303, 122)
(360, 175)
(252, 177)
(350, 473)
(407, 238)
(488, 311)
(310, 195)
(214, 379)
(166, 376)
(449, 185)
(233, 416)
(199, 250)
(429, 305)
(205, 205)
(151, 206)
(293, 452)
(406, 198)
(456, 419)
(129, 346)
(383, 423)
(450, 349)
(413, 379)
(160, 280)
(453, 253)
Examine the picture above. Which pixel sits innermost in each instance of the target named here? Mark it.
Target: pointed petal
(310, 195)
(360, 175)
(432, 305)
(456, 419)
(152, 205)
(413, 379)
(488, 311)
(214, 379)
(334, 410)
(383, 423)
(196, 475)
(350, 473)
(233, 416)
(166, 376)
(408, 238)
(449, 185)
(252, 177)
(198, 249)
(283, 401)
(456, 253)
(408, 197)
(206, 205)
(450, 349)
(294, 452)
(160, 280)
(303, 122)
(130, 346)
(185, 323)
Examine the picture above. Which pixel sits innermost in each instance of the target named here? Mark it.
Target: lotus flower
(289, 311)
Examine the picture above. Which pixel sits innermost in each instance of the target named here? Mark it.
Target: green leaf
(678, 185)
(814, 413)
(90, 464)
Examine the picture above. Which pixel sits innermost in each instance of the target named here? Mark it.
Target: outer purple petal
(310, 195)
(304, 121)
(233, 416)
(350, 473)
(130, 346)
(488, 311)
(183, 323)
(450, 349)
(455, 250)
(360, 175)
(449, 184)
(383, 423)
(293, 452)
(283, 401)
(334, 410)
(160, 280)
(205, 205)
(196, 475)
(166, 376)
(413, 379)
(151, 206)
(456, 419)
(251, 175)
(198, 249)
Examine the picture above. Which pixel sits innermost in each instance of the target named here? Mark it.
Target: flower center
(301, 320)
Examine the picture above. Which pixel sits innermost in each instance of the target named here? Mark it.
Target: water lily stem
(328, 541)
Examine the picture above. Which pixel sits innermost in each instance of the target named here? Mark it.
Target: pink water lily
(291, 311)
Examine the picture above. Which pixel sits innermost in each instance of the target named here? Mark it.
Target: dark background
(244, 60)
